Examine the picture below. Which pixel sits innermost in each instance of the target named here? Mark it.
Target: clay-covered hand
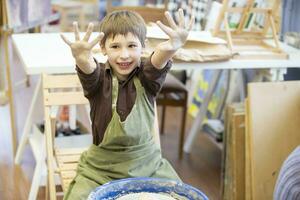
(82, 49)
(177, 33)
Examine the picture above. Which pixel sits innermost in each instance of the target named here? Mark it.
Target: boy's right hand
(82, 49)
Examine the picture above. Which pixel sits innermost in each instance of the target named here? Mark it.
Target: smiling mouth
(124, 65)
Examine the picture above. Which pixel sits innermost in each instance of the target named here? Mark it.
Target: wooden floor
(201, 168)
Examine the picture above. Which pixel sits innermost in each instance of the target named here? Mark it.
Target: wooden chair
(83, 11)
(67, 8)
(150, 14)
(173, 92)
(61, 90)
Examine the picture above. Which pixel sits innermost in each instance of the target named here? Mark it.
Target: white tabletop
(47, 53)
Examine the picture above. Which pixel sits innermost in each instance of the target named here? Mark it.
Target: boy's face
(124, 53)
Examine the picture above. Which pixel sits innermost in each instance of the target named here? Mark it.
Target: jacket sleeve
(90, 82)
(152, 78)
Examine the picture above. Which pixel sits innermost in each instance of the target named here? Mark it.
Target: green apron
(127, 150)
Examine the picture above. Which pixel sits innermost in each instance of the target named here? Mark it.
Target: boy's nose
(124, 53)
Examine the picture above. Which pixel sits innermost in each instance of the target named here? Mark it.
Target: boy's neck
(120, 78)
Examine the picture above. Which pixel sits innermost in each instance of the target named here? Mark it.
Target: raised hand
(82, 49)
(178, 33)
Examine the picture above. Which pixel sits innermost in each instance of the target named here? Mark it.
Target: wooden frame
(233, 184)
(66, 159)
(5, 32)
(251, 44)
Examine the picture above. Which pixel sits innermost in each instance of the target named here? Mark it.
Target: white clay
(145, 196)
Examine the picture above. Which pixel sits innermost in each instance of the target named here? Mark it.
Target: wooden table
(47, 53)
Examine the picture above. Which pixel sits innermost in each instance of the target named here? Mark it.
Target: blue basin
(118, 188)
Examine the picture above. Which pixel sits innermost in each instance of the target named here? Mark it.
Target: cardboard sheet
(274, 131)
(194, 51)
(196, 36)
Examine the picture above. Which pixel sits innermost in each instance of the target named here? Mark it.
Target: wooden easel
(252, 43)
(6, 32)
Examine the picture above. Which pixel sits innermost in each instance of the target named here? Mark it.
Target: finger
(65, 40)
(170, 20)
(177, 18)
(96, 40)
(76, 31)
(165, 28)
(88, 32)
(181, 18)
(191, 23)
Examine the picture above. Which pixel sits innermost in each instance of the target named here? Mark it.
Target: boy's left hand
(178, 33)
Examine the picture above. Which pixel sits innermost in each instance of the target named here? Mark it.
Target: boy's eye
(132, 45)
(114, 46)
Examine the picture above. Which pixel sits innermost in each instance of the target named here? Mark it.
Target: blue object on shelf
(118, 188)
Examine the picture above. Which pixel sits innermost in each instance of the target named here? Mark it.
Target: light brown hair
(123, 22)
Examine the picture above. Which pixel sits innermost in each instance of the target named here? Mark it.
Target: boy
(122, 93)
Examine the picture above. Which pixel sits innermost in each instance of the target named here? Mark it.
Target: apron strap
(115, 90)
(137, 84)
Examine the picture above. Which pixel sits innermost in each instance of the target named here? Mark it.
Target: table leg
(223, 97)
(242, 84)
(202, 112)
(28, 122)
